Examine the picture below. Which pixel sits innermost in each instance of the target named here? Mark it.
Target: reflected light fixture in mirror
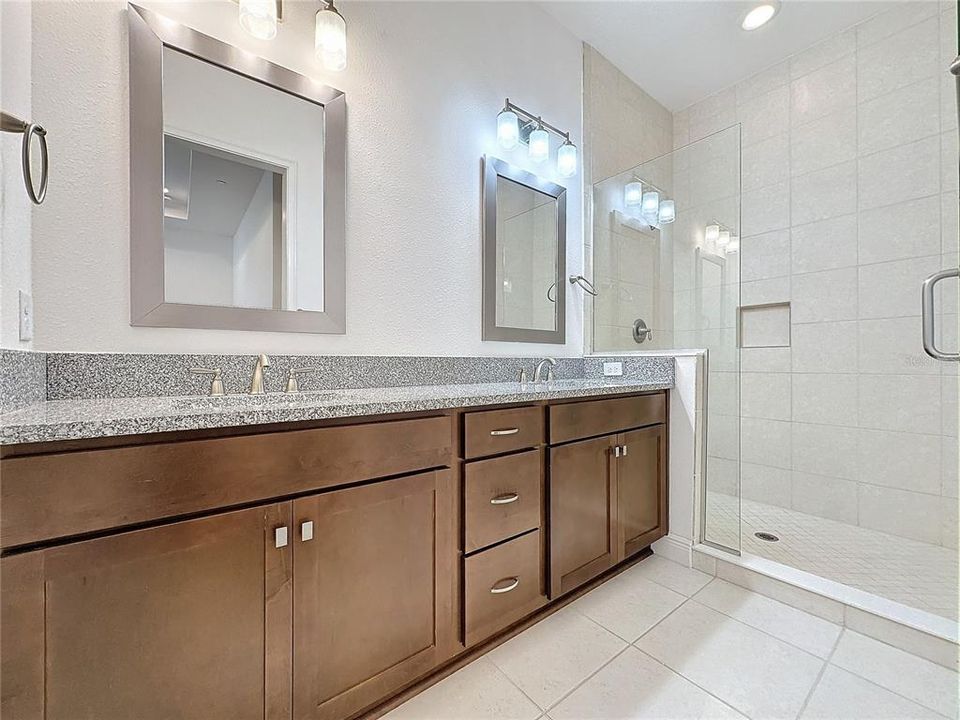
(632, 194)
(259, 18)
(330, 39)
(650, 205)
(667, 213)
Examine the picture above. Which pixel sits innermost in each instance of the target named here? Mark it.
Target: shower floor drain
(767, 537)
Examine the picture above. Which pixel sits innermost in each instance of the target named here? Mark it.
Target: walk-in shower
(803, 233)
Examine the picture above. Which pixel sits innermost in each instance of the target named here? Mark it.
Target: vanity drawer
(502, 498)
(63, 494)
(503, 585)
(490, 432)
(576, 420)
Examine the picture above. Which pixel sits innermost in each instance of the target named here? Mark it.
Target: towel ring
(584, 283)
(12, 124)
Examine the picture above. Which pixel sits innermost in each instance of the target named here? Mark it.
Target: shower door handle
(928, 309)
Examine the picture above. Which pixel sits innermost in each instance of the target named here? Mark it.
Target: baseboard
(675, 548)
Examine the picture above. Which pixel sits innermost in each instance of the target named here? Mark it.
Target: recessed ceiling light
(760, 15)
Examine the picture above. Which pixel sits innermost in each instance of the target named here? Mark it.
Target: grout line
(823, 669)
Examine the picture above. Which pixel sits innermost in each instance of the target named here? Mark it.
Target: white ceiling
(681, 51)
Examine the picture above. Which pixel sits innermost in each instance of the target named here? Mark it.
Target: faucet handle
(216, 384)
(292, 384)
(523, 376)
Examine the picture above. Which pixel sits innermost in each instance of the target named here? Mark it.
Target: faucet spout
(256, 383)
(540, 365)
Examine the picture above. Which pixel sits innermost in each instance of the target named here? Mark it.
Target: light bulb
(539, 145)
(668, 212)
(760, 15)
(650, 205)
(632, 194)
(259, 18)
(712, 234)
(330, 38)
(567, 160)
(508, 129)
(724, 239)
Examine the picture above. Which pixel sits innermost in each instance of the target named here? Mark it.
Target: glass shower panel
(675, 285)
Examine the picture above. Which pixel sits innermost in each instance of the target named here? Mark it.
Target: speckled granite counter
(79, 419)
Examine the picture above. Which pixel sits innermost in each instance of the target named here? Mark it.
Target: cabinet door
(582, 506)
(168, 622)
(373, 591)
(641, 490)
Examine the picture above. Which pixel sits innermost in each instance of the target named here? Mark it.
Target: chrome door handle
(616, 451)
(928, 310)
(280, 537)
(623, 450)
(512, 583)
(505, 431)
(306, 531)
(505, 499)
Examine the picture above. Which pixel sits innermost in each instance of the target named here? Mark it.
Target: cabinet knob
(505, 499)
(306, 531)
(280, 537)
(511, 583)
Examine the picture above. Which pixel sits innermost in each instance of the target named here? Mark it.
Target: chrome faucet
(546, 361)
(256, 383)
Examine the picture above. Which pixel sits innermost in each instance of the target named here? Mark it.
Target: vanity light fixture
(330, 38)
(724, 239)
(656, 210)
(667, 213)
(711, 235)
(633, 193)
(720, 240)
(650, 204)
(760, 15)
(515, 125)
(260, 17)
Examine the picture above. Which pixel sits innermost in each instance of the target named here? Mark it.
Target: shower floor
(913, 573)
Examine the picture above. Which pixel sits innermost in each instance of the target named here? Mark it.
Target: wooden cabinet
(582, 506)
(641, 474)
(170, 622)
(374, 591)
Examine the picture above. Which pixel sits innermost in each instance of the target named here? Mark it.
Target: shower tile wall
(849, 164)
(623, 127)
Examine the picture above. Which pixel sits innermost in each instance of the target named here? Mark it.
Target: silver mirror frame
(492, 169)
(148, 34)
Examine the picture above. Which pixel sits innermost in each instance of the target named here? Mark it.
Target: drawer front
(503, 585)
(573, 421)
(62, 494)
(502, 498)
(490, 432)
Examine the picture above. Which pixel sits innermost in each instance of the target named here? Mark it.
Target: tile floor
(664, 641)
(916, 574)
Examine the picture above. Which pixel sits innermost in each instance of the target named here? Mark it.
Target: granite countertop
(81, 419)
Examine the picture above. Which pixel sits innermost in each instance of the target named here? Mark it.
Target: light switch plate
(26, 316)
(612, 369)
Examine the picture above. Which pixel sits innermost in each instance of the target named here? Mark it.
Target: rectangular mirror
(524, 255)
(237, 187)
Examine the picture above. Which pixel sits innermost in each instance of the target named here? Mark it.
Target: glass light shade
(734, 244)
(508, 130)
(330, 39)
(668, 212)
(632, 194)
(724, 238)
(259, 18)
(712, 234)
(539, 145)
(650, 205)
(567, 160)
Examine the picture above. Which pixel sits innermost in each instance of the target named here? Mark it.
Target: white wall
(424, 84)
(15, 212)
(253, 271)
(198, 267)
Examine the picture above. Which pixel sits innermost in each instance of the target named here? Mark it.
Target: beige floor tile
(478, 691)
(635, 686)
(678, 578)
(920, 680)
(554, 656)
(629, 605)
(843, 696)
(805, 631)
(757, 674)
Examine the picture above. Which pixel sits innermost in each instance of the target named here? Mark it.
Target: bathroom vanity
(311, 569)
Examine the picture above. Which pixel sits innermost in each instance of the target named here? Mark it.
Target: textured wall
(424, 84)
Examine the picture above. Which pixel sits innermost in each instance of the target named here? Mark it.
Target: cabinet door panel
(167, 622)
(373, 606)
(641, 490)
(582, 502)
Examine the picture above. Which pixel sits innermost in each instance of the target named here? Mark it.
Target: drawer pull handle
(505, 431)
(512, 583)
(505, 499)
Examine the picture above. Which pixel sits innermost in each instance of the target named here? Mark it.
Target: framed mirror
(524, 255)
(237, 187)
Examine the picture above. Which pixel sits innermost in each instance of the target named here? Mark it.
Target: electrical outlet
(612, 369)
(26, 316)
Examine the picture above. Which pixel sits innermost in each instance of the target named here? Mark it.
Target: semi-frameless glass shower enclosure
(802, 237)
